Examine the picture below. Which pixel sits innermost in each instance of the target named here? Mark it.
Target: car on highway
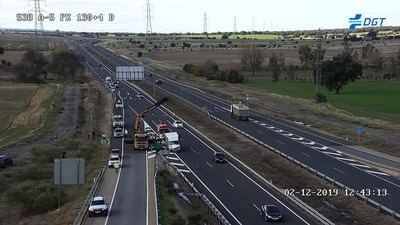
(118, 132)
(219, 157)
(271, 213)
(139, 95)
(158, 82)
(117, 121)
(115, 152)
(113, 159)
(98, 206)
(177, 124)
(5, 161)
(119, 104)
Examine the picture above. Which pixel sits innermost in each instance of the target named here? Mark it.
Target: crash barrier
(80, 218)
(203, 199)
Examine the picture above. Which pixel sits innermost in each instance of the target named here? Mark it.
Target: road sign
(130, 72)
(359, 129)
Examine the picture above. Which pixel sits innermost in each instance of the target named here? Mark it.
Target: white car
(113, 159)
(139, 95)
(177, 124)
(118, 132)
(117, 121)
(119, 104)
(98, 206)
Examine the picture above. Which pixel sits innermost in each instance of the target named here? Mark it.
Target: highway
(232, 190)
(318, 151)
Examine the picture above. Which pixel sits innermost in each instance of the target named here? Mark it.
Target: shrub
(188, 68)
(234, 77)
(320, 98)
(139, 54)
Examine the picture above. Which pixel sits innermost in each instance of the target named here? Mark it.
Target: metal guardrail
(211, 207)
(322, 219)
(80, 218)
(369, 201)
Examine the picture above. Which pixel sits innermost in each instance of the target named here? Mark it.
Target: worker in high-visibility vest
(116, 166)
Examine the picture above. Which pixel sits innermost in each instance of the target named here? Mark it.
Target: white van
(172, 141)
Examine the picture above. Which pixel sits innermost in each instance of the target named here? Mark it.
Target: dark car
(158, 82)
(219, 157)
(5, 161)
(271, 213)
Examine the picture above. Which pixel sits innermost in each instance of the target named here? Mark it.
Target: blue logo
(366, 22)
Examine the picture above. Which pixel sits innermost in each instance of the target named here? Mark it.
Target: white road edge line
(306, 154)
(147, 191)
(208, 189)
(209, 164)
(375, 172)
(256, 207)
(258, 185)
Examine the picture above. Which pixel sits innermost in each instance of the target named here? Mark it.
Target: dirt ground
(280, 171)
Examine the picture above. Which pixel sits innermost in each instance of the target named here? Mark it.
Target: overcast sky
(187, 15)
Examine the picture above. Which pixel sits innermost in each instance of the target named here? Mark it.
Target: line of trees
(35, 66)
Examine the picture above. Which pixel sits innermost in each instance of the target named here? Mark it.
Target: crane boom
(141, 115)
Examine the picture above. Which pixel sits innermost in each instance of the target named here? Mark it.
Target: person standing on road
(116, 166)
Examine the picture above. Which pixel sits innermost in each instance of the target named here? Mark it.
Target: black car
(5, 161)
(158, 82)
(271, 213)
(219, 157)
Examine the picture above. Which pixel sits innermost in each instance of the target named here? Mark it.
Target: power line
(318, 72)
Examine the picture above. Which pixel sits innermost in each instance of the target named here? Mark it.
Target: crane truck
(141, 138)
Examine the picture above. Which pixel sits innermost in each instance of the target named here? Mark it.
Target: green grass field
(380, 99)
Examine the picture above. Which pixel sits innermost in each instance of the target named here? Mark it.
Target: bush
(139, 54)
(222, 76)
(207, 69)
(34, 197)
(188, 68)
(320, 98)
(234, 77)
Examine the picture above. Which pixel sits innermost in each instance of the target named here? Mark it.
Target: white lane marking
(173, 158)
(176, 164)
(298, 139)
(151, 156)
(256, 207)
(359, 165)
(208, 164)
(230, 183)
(306, 154)
(209, 190)
(218, 108)
(184, 171)
(280, 142)
(270, 127)
(154, 151)
(338, 170)
(308, 143)
(278, 130)
(258, 185)
(333, 153)
(288, 134)
(192, 149)
(346, 159)
(376, 172)
(320, 148)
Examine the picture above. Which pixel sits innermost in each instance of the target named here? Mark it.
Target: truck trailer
(239, 111)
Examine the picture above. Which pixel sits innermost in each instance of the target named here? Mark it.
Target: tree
(31, 66)
(66, 63)
(274, 67)
(291, 69)
(1, 50)
(339, 71)
(305, 55)
(225, 36)
(252, 58)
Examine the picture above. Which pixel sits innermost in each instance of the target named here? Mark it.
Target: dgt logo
(368, 22)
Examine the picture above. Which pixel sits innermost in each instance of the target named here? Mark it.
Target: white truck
(172, 141)
(239, 111)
